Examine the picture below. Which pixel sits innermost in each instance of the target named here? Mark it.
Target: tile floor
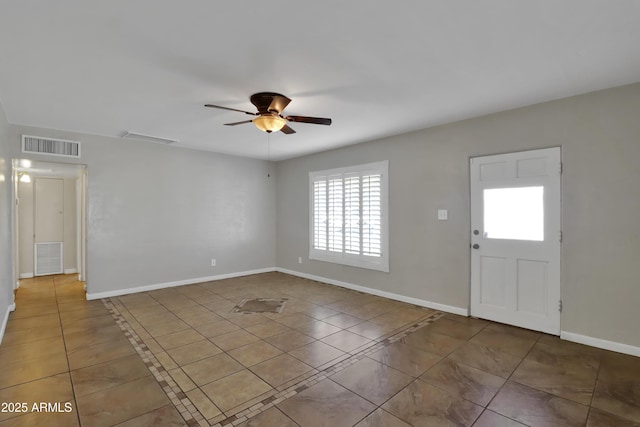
(333, 357)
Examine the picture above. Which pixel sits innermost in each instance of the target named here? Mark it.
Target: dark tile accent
(229, 420)
(268, 400)
(260, 305)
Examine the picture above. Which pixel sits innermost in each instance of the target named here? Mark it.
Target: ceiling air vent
(148, 138)
(50, 146)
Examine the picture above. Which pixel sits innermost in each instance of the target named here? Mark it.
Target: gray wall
(6, 268)
(158, 214)
(600, 138)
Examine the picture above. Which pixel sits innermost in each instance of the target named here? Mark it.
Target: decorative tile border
(193, 417)
(183, 404)
(300, 386)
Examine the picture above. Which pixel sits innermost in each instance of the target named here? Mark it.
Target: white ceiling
(376, 68)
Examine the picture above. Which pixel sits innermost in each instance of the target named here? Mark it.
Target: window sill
(369, 263)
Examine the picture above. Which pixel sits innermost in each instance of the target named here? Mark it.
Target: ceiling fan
(269, 117)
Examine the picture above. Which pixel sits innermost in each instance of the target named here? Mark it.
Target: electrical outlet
(299, 260)
(213, 262)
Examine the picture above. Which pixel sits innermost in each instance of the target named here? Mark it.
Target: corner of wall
(7, 304)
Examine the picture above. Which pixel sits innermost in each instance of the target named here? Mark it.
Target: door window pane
(514, 213)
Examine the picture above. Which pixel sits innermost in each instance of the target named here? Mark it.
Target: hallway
(53, 349)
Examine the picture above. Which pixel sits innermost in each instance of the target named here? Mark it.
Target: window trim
(380, 263)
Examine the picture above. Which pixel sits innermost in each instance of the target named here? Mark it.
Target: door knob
(476, 246)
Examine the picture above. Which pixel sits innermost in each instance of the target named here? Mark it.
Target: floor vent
(48, 258)
(50, 146)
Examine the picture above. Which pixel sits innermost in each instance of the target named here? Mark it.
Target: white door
(48, 210)
(48, 227)
(515, 239)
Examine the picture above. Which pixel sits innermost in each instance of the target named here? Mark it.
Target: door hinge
(560, 168)
(560, 306)
(560, 236)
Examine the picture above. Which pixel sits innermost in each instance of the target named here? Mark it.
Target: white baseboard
(568, 336)
(403, 298)
(30, 275)
(11, 308)
(600, 343)
(119, 292)
(415, 301)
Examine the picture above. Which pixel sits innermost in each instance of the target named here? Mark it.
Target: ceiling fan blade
(230, 109)
(313, 120)
(238, 123)
(286, 129)
(279, 103)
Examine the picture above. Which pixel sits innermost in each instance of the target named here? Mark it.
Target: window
(514, 213)
(348, 216)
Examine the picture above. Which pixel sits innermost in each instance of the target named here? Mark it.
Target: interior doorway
(49, 219)
(515, 239)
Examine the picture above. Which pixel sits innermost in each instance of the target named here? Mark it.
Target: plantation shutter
(371, 215)
(320, 214)
(348, 216)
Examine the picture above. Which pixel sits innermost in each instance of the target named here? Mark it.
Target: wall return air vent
(50, 146)
(48, 258)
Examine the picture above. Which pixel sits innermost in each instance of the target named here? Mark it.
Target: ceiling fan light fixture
(269, 122)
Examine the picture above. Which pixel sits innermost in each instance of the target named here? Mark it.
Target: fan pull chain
(268, 155)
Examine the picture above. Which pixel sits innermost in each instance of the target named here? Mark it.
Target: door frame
(81, 216)
(560, 225)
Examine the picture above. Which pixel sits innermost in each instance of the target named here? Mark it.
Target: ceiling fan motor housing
(269, 102)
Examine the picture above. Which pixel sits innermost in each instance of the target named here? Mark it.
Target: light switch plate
(443, 214)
